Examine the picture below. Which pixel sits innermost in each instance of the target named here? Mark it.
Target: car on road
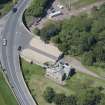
(19, 48)
(4, 42)
(14, 9)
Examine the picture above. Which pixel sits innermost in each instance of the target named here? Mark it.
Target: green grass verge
(34, 76)
(6, 96)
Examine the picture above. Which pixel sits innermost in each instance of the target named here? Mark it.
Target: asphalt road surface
(10, 58)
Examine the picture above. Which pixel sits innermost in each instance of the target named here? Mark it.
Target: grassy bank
(6, 96)
(34, 76)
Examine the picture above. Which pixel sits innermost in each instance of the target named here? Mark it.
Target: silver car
(4, 42)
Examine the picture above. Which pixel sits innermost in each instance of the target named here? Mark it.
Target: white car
(60, 6)
(4, 42)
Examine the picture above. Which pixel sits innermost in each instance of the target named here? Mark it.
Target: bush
(36, 31)
(49, 94)
(49, 30)
(82, 34)
(87, 96)
(59, 98)
(4, 1)
(88, 58)
(37, 8)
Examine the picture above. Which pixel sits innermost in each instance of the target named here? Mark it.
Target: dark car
(19, 48)
(14, 9)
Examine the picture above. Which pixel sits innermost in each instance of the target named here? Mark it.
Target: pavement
(10, 58)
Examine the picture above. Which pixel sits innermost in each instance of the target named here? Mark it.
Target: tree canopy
(4, 1)
(87, 96)
(37, 8)
(82, 35)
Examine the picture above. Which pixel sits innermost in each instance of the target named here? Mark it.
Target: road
(10, 58)
(3, 21)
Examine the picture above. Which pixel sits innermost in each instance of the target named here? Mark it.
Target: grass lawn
(34, 76)
(6, 96)
(98, 70)
(78, 3)
(81, 81)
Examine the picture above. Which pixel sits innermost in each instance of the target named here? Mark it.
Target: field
(6, 96)
(78, 3)
(36, 81)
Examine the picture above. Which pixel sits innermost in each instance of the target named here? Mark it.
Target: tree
(102, 101)
(4, 1)
(91, 40)
(78, 36)
(49, 30)
(56, 39)
(59, 99)
(84, 35)
(88, 58)
(36, 31)
(37, 8)
(91, 96)
(70, 100)
(49, 94)
(99, 52)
